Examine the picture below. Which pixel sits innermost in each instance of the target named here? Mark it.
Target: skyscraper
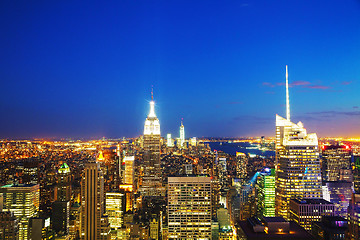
(23, 200)
(241, 167)
(266, 195)
(357, 173)
(336, 161)
(115, 206)
(63, 190)
(189, 207)
(339, 193)
(151, 180)
(60, 218)
(61, 207)
(297, 166)
(169, 140)
(94, 225)
(354, 217)
(182, 134)
(129, 170)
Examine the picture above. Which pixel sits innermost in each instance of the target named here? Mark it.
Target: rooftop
(296, 233)
(18, 185)
(311, 201)
(274, 219)
(64, 168)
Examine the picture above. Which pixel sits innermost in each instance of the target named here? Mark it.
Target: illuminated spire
(287, 96)
(152, 124)
(152, 110)
(152, 105)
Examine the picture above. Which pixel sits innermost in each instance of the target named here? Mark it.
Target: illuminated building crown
(152, 124)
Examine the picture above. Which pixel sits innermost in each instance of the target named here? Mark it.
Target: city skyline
(73, 71)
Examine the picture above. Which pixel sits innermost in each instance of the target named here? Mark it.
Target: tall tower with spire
(182, 134)
(151, 180)
(298, 173)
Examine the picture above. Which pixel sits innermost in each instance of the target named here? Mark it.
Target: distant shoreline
(244, 147)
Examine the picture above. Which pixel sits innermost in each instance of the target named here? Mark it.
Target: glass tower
(297, 166)
(266, 195)
(298, 173)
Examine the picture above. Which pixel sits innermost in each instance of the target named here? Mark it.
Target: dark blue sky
(85, 69)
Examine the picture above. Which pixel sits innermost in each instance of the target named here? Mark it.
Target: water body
(244, 147)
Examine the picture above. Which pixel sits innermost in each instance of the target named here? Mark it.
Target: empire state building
(151, 180)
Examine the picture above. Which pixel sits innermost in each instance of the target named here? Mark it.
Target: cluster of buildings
(156, 188)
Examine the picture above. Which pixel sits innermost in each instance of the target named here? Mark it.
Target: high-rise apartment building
(151, 180)
(94, 225)
(23, 200)
(336, 163)
(297, 166)
(266, 194)
(189, 208)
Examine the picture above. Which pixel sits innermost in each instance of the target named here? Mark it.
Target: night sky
(84, 69)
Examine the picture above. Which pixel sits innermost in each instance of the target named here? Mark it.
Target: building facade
(266, 195)
(189, 208)
(115, 206)
(336, 163)
(63, 189)
(306, 211)
(23, 200)
(9, 226)
(339, 193)
(298, 173)
(94, 225)
(129, 170)
(60, 218)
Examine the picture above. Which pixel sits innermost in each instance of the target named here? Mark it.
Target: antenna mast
(287, 95)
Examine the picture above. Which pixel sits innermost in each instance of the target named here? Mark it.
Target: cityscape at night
(165, 120)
